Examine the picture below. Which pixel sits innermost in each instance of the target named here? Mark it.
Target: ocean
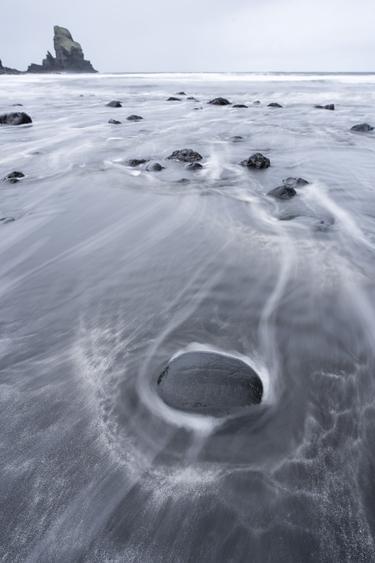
(108, 271)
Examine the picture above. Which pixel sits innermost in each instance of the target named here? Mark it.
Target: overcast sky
(197, 35)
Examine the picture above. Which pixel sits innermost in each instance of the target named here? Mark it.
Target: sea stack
(69, 55)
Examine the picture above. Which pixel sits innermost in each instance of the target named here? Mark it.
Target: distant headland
(69, 57)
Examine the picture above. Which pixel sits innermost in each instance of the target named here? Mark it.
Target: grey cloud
(192, 35)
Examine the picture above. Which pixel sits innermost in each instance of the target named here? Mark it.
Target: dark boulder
(330, 107)
(236, 139)
(181, 94)
(220, 102)
(240, 106)
(18, 118)
(114, 122)
(134, 162)
(173, 99)
(209, 383)
(257, 160)
(114, 104)
(283, 192)
(362, 128)
(185, 155)
(134, 118)
(274, 105)
(295, 182)
(194, 166)
(155, 167)
(14, 177)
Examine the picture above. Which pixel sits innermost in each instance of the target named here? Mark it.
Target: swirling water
(108, 271)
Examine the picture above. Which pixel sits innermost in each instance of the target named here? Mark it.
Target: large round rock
(209, 383)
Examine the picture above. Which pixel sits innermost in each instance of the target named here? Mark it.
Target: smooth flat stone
(209, 383)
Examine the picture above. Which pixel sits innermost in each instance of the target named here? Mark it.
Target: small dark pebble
(236, 139)
(134, 162)
(185, 155)
(219, 102)
(17, 105)
(173, 99)
(274, 105)
(183, 181)
(114, 104)
(256, 103)
(134, 118)
(14, 177)
(362, 128)
(181, 94)
(283, 192)
(194, 166)
(155, 167)
(295, 182)
(330, 107)
(258, 161)
(114, 122)
(5, 220)
(18, 118)
(192, 99)
(240, 106)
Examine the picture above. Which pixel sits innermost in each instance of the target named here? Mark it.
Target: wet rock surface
(283, 192)
(257, 160)
(14, 177)
(274, 105)
(173, 99)
(209, 383)
(114, 122)
(220, 102)
(155, 167)
(185, 155)
(240, 106)
(134, 162)
(134, 118)
(194, 166)
(330, 107)
(362, 128)
(17, 118)
(114, 104)
(292, 182)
